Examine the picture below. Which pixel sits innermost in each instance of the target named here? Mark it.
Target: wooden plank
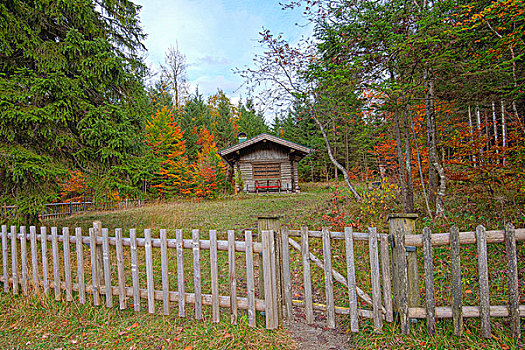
(80, 265)
(149, 271)
(45, 267)
(164, 269)
(23, 258)
(34, 259)
(457, 297)
(14, 259)
(232, 276)
(385, 274)
(214, 277)
(120, 269)
(56, 263)
(187, 244)
(287, 279)
(5, 259)
(180, 272)
(483, 273)
(307, 278)
(350, 270)
(94, 268)
(67, 263)
(400, 275)
(442, 239)
(328, 281)
(468, 311)
(512, 274)
(197, 274)
(250, 282)
(430, 300)
(270, 280)
(134, 269)
(97, 226)
(375, 279)
(107, 267)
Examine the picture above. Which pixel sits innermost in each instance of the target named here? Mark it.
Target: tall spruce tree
(71, 94)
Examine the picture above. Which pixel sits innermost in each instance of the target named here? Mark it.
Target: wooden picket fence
(274, 261)
(457, 311)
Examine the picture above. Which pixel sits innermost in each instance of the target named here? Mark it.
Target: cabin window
(263, 171)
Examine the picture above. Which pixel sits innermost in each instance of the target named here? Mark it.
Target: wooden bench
(267, 184)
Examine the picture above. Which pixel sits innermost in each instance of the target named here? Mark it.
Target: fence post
(273, 223)
(404, 267)
(97, 225)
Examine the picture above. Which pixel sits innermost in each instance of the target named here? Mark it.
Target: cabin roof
(228, 152)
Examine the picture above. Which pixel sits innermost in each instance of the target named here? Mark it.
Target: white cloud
(215, 35)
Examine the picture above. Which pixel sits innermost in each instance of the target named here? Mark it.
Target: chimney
(242, 137)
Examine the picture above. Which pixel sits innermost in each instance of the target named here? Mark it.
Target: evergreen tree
(71, 94)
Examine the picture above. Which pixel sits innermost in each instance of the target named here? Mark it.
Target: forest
(406, 102)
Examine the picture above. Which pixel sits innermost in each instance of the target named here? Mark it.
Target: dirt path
(317, 336)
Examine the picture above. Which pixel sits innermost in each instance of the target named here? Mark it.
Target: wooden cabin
(265, 163)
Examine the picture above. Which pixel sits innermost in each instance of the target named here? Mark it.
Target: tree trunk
(433, 156)
(408, 154)
(333, 160)
(400, 161)
(429, 111)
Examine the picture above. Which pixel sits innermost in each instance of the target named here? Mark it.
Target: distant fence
(53, 210)
(290, 267)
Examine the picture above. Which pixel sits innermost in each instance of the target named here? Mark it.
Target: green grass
(39, 322)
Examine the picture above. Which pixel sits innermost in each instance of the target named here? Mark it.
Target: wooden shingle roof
(228, 152)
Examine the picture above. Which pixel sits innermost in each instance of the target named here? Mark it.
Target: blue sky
(215, 35)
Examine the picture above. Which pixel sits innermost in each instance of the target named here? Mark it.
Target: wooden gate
(286, 291)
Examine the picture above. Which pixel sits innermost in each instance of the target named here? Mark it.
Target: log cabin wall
(266, 153)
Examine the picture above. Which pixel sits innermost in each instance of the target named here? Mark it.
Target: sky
(216, 36)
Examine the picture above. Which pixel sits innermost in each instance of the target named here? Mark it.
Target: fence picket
(56, 263)
(287, 279)
(14, 259)
(374, 275)
(5, 261)
(400, 277)
(149, 271)
(483, 273)
(120, 269)
(94, 268)
(80, 265)
(250, 283)
(107, 268)
(232, 276)
(307, 278)
(45, 267)
(134, 268)
(23, 258)
(34, 259)
(164, 267)
(197, 274)
(270, 280)
(430, 301)
(457, 297)
(329, 283)
(180, 273)
(350, 270)
(385, 274)
(512, 274)
(67, 263)
(214, 277)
